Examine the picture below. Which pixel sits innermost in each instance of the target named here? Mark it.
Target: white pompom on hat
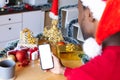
(91, 48)
(96, 7)
(54, 10)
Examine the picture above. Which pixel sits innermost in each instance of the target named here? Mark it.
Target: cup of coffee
(7, 69)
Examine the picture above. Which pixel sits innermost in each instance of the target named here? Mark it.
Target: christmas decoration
(21, 56)
(33, 53)
(27, 39)
(53, 34)
(28, 7)
(61, 43)
(54, 10)
(69, 51)
(70, 47)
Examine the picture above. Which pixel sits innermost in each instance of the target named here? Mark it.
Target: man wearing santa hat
(107, 65)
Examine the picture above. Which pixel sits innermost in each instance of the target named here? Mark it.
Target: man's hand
(58, 67)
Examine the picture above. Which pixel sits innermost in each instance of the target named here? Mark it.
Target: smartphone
(46, 59)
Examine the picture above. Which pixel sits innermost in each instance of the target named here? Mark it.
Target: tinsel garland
(70, 27)
(9, 46)
(45, 7)
(13, 44)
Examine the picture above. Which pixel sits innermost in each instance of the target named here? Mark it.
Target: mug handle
(7, 1)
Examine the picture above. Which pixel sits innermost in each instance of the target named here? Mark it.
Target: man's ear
(88, 14)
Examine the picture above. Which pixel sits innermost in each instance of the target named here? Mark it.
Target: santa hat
(54, 10)
(110, 21)
(96, 7)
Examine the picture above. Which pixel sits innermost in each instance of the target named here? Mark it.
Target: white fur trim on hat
(91, 48)
(96, 7)
(53, 16)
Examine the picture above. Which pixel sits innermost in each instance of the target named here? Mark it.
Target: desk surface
(34, 72)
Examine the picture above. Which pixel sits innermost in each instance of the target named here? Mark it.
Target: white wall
(67, 2)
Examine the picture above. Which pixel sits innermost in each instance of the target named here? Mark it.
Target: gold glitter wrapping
(53, 34)
(69, 51)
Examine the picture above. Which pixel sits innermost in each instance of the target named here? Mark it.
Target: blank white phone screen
(45, 56)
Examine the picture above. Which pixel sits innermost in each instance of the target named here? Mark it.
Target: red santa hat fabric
(54, 10)
(110, 21)
(96, 7)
